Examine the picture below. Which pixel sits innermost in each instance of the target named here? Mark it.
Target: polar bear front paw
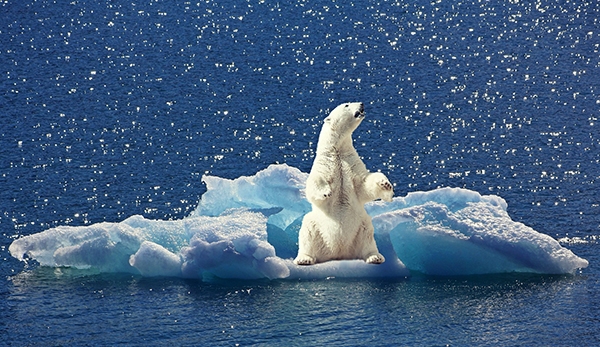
(303, 259)
(326, 193)
(375, 259)
(322, 194)
(387, 190)
(384, 184)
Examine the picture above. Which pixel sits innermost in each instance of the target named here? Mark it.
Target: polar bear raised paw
(384, 184)
(382, 188)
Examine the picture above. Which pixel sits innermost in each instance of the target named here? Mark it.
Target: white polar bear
(338, 186)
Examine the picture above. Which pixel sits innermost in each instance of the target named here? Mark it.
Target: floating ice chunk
(247, 228)
(479, 238)
(234, 247)
(223, 260)
(170, 234)
(348, 269)
(391, 268)
(278, 186)
(154, 260)
(104, 246)
(453, 198)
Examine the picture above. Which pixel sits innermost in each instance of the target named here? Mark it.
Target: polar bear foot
(375, 259)
(304, 260)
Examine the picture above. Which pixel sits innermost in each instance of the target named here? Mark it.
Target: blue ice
(247, 228)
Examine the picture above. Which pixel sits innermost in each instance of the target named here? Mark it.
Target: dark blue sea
(110, 109)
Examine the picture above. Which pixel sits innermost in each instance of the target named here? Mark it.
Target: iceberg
(247, 228)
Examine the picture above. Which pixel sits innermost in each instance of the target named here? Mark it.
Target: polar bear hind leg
(306, 240)
(369, 251)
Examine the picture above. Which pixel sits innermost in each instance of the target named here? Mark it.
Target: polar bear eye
(346, 105)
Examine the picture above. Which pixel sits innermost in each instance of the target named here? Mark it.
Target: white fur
(338, 186)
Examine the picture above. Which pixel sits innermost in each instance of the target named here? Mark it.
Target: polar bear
(338, 186)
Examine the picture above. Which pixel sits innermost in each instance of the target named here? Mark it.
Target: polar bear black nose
(360, 113)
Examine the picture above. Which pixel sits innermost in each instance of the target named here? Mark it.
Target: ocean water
(114, 109)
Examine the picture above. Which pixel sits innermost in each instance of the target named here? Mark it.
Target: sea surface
(110, 109)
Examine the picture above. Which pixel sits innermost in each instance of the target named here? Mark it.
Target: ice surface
(247, 228)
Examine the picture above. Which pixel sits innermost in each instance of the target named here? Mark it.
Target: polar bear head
(339, 125)
(346, 117)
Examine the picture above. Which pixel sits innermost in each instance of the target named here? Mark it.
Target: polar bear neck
(331, 143)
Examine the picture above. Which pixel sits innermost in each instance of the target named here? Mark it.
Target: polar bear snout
(360, 113)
